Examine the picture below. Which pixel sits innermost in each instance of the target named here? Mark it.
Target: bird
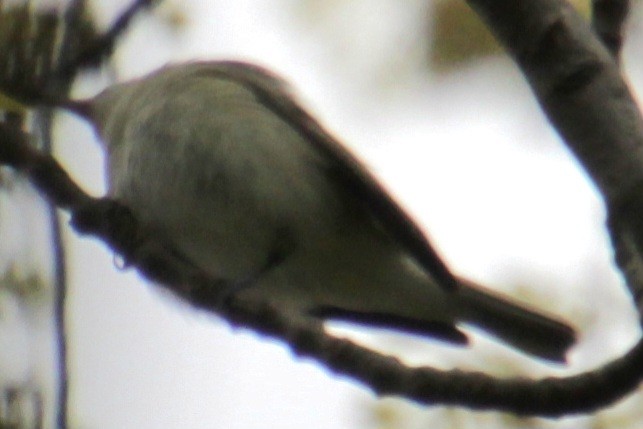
(220, 160)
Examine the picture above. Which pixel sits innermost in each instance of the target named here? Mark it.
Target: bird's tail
(533, 332)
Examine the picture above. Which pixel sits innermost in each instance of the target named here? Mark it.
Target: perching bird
(218, 159)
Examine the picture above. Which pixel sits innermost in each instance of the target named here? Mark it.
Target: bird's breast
(228, 191)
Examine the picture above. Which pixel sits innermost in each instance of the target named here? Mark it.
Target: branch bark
(580, 88)
(608, 20)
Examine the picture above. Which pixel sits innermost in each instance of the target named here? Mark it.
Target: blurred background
(419, 90)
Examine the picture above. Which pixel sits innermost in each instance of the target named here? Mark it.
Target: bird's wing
(439, 330)
(275, 95)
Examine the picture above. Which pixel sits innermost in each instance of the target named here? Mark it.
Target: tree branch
(608, 20)
(385, 375)
(581, 90)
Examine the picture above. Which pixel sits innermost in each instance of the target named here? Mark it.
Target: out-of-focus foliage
(31, 37)
(14, 26)
(437, 36)
(173, 15)
(459, 36)
(8, 104)
(20, 408)
(26, 286)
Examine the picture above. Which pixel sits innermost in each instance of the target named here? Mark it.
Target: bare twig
(385, 375)
(44, 123)
(608, 20)
(102, 46)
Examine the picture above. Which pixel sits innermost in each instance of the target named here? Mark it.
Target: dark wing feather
(274, 94)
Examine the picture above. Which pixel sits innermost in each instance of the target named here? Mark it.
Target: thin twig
(59, 83)
(72, 56)
(102, 46)
(44, 122)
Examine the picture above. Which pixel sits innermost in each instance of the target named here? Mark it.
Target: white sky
(469, 154)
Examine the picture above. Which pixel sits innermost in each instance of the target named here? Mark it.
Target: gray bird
(218, 159)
